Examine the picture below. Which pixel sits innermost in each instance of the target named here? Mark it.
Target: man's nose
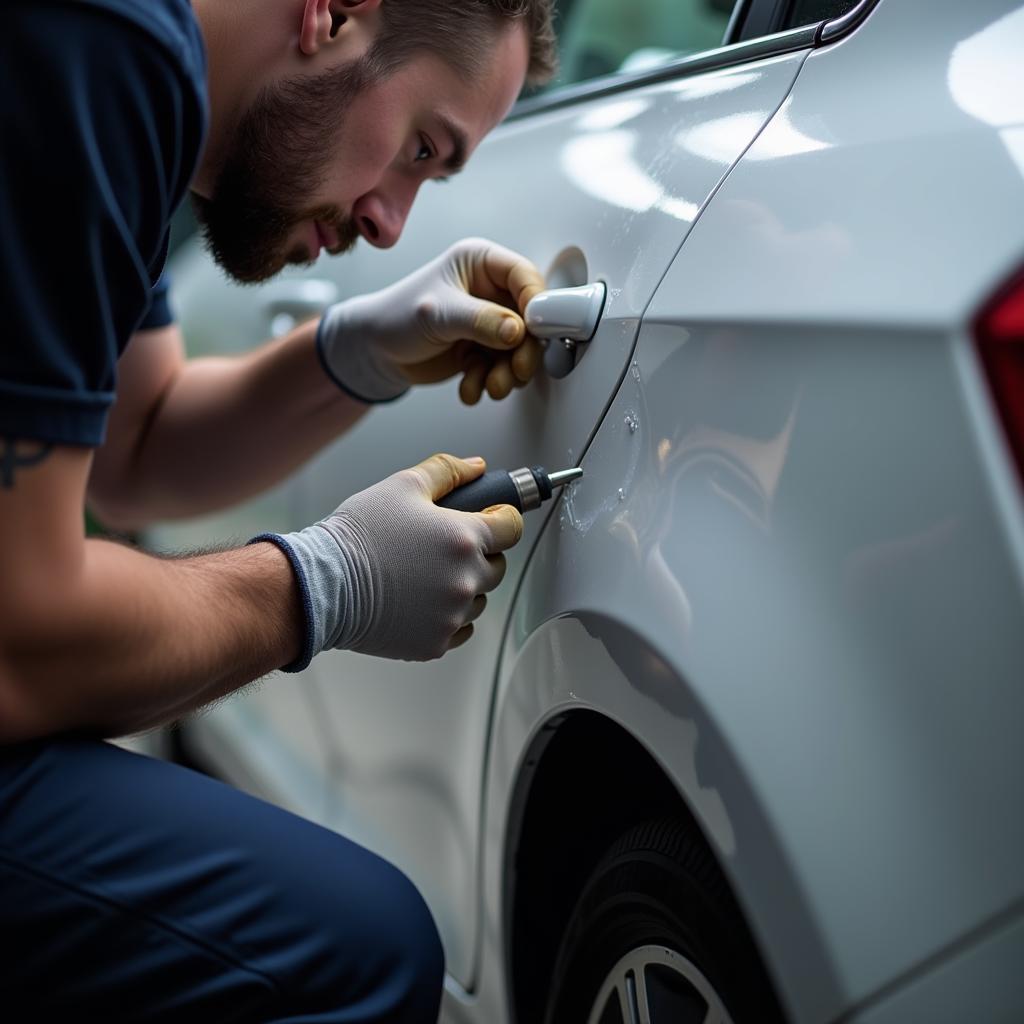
(380, 215)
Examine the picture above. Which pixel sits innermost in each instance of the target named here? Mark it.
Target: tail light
(1000, 334)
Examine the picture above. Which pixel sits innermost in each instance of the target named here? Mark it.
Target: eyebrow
(460, 144)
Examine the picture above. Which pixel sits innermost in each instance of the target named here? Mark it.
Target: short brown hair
(461, 32)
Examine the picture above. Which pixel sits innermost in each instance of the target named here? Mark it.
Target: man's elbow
(117, 509)
(18, 722)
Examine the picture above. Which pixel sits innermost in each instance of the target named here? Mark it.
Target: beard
(280, 152)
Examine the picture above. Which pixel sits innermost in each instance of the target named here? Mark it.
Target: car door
(596, 183)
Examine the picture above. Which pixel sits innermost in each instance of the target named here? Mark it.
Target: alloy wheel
(656, 985)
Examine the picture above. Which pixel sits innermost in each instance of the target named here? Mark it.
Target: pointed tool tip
(565, 476)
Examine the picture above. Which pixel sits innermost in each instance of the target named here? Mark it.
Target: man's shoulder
(171, 23)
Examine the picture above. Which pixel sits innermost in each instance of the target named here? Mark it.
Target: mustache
(248, 239)
(342, 226)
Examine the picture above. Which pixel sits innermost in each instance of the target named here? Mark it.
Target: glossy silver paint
(391, 721)
(408, 742)
(794, 569)
(819, 538)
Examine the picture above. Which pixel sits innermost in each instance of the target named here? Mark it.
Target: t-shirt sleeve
(158, 312)
(97, 122)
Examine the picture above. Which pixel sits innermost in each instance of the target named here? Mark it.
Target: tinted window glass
(807, 12)
(601, 37)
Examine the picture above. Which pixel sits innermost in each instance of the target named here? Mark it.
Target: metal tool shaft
(564, 476)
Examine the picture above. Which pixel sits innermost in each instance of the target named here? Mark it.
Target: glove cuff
(309, 647)
(336, 595)
(351, 362)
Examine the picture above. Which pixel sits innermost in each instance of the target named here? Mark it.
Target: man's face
(316, 162)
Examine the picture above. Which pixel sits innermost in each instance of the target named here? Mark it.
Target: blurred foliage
(600, 37)
(93, 528)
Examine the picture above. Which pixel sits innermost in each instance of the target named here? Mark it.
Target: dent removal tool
(527, 488)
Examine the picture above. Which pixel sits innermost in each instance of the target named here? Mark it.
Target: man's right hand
(389, 573)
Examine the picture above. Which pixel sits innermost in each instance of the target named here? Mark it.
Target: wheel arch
(595, 761)
(552, 807)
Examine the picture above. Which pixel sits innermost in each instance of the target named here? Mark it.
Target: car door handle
(567, 317)
(290, 302)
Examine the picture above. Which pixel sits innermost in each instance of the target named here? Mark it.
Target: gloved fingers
(441, 474)
(526, 360)
(471, 388)
(513, 273)
(499, 375)
(495, 573)
(460, 315)
(476, 609)
(500, 379)
(460, 637)
(447, 363)
(505, 524)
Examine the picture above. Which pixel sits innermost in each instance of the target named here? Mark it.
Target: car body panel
(841, 664)
(894, 158)
(608, 182)
(979, 980)
(815, 525)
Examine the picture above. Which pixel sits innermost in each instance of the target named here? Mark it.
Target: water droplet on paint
(635, 371)
(632, 423)
(622, 494)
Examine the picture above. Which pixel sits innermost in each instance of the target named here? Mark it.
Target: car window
(807, 12)
(601, 37)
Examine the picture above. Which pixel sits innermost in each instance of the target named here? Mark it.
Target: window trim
(846, 23)
(803, 38)
(774, 14)
(736, 20)
(709, 60)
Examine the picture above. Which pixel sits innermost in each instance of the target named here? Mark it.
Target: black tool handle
(494, 488)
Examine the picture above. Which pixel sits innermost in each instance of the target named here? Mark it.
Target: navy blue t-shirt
(102, 119)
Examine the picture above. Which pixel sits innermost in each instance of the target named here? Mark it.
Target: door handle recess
(567, 317)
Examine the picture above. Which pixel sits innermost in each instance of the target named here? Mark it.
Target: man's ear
(321, 20)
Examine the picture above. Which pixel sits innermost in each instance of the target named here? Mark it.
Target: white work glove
(390, 573)
(458, 314)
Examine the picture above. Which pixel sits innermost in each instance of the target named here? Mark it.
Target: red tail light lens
(1000, 334)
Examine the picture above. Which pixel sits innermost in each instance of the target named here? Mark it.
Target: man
(130, 889)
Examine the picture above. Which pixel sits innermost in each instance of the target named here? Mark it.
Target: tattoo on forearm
(16, 454)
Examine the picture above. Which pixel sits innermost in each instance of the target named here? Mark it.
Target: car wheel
(657, 938)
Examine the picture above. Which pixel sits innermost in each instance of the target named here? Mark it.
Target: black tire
(657, 906)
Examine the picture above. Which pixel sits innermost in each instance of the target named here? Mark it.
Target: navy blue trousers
(134, 890)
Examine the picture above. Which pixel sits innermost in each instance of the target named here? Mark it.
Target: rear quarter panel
(815, 526)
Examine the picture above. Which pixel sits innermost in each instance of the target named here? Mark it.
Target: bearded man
(131, 889)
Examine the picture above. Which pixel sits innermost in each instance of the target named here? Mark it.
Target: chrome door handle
(290, 302)
(567, 317)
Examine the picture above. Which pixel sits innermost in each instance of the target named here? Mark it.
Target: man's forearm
(223, 430)
(130, 641)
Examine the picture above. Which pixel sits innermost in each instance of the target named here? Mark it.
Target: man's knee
(401, 970)
(415, 943)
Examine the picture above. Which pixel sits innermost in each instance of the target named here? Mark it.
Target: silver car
(740, 736)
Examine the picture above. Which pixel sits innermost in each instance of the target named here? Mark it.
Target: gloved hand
(391, 574)
(458, 314)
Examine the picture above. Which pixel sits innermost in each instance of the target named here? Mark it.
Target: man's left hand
(461, 313)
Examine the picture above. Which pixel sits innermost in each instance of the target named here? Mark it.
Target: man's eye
(424, 152)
